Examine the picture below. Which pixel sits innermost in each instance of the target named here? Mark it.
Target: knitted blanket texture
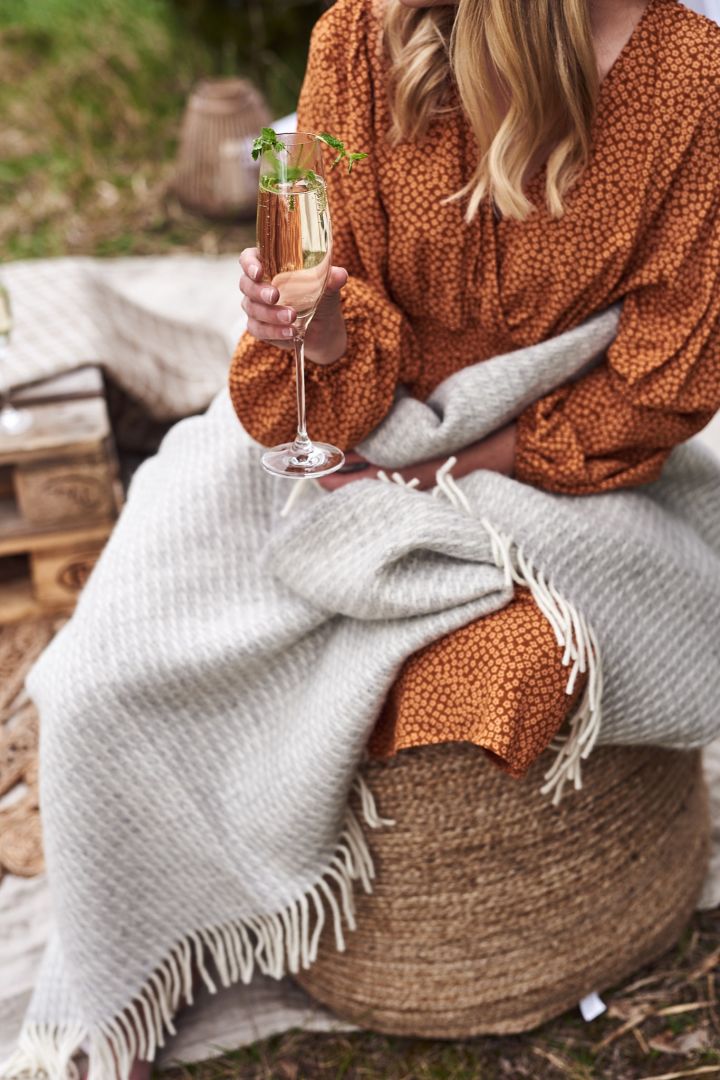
(205, 711)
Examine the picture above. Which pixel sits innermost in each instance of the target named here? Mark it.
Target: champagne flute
(295, 241)
(12, 421)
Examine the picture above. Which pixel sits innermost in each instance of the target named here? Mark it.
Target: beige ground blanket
(163, 328)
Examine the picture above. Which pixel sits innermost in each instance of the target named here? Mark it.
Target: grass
(90, 106)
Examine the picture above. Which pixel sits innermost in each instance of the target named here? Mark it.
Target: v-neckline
(604, 91)
(627, 50)
(535, 188)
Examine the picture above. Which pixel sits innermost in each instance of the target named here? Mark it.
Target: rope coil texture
(494, 911)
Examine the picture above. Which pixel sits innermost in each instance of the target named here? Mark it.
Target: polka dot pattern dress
(429, 294)
(496, 683)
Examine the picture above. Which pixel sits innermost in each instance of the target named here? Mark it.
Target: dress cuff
(356, 301)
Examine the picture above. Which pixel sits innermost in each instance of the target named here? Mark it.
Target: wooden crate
(59, 495)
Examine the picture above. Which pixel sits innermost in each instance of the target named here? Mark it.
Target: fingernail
(286, 316)
(287, 331)
(268, 296)
(254, 271)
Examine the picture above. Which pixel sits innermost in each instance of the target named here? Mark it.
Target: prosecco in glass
(294, 238)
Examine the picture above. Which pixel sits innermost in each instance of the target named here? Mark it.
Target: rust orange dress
(429, 294)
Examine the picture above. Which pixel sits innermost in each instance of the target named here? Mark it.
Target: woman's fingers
(337, 279)
(261, 292)
(268, 332)
(258, 292)
(251, 283)
(250, 263)
(261, 299)
(267, 319)
(276, 316)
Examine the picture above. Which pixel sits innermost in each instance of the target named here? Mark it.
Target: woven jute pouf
(493, 911)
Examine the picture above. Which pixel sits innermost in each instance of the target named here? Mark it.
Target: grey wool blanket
(205, 711)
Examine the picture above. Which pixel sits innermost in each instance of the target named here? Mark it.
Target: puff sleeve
(349, 398)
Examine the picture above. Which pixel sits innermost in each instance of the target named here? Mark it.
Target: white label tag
(592, 1006)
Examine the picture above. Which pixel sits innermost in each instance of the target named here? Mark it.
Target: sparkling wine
(293, 229)
(295, 242)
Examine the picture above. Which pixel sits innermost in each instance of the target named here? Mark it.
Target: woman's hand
(326, 339)
(495, 453)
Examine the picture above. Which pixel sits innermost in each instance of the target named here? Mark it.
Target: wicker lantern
(215, 174)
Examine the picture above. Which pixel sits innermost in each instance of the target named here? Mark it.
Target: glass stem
(302, 444)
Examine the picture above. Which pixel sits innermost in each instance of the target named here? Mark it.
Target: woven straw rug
(20, 842)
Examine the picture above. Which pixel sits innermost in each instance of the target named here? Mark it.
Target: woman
(530, 164)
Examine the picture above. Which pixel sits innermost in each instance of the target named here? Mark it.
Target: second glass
(295, 242)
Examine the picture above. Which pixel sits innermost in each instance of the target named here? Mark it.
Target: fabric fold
(429, 560)
(481, 398)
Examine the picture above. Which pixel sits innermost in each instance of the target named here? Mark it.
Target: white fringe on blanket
(581, 652)
(275, 945)
(284, 942)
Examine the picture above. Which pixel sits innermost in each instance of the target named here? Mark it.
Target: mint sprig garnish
(342, 153)
(267, 142)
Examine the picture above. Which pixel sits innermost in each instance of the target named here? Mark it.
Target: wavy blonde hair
(525, 73)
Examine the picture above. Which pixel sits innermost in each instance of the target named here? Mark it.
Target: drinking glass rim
(301, 136)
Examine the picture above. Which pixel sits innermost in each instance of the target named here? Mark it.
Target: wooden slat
(11, 523)
(67, 428)
(17, 604)
(84, 382)
(7, 490)
(20, 541)
(59, 575)
(77, 491)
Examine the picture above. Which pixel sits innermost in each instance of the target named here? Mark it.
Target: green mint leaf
(342, 154)
(267, 142)
(353, 158)
(331, 141)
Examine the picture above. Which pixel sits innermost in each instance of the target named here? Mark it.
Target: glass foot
(318, 459)
(14, 421)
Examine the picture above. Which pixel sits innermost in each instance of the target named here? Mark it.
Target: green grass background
(91, 100)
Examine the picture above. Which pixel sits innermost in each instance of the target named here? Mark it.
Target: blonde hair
(526, 77)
